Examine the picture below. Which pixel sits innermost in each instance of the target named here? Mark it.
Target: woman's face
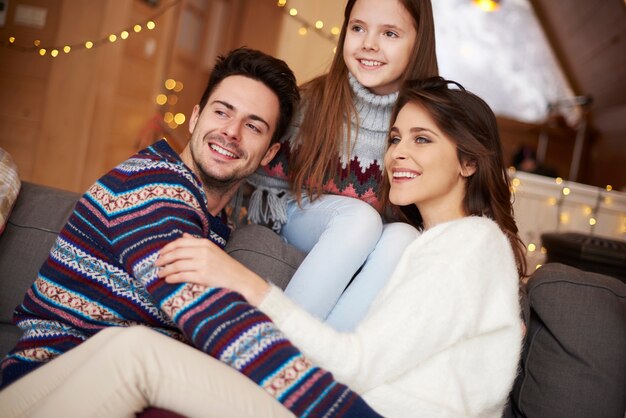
(380, 38)
(423, 166)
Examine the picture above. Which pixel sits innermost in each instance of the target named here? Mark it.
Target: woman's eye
(394, 140)
(421, 140)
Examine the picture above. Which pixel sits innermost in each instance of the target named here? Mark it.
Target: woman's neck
(442, 211)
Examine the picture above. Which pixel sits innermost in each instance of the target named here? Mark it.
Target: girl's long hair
(468, 121)
(329, 103)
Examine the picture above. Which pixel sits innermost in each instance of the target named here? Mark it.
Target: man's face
(231, 136)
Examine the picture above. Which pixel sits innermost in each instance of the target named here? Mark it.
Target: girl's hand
(200, 261)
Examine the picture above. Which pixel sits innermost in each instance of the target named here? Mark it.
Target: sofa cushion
(9, 187)
(574, 364)
(265, 252)
(37, 218)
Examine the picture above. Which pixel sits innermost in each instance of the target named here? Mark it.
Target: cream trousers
(120, 371)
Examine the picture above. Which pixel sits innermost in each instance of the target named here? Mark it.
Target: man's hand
(197, 260)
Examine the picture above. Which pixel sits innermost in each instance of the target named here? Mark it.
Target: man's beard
(208, 180)
(220, 185)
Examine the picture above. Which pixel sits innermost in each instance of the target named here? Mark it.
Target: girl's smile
(378, 44)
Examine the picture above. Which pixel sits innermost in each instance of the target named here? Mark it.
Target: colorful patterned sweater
(359, 169)
(101, 273)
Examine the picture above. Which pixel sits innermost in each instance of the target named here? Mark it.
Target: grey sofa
(573, 365)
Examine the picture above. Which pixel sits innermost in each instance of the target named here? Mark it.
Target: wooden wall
(67, 120)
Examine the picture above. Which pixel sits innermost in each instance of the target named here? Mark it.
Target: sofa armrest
(574, 360)
(38, 216)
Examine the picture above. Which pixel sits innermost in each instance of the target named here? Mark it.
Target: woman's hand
(200, 261)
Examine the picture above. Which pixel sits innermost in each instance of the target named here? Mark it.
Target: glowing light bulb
(150, 25)
(112, 38)
(293, 12)
(124, 34)
(161, 99)
(302, 31)
(137, 28)
(319, 24)
(54, 53)
(170, 84)
(179, 118)
(335, 30)
(67, 49)
(88, 44)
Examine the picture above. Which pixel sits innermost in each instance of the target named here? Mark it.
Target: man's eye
(254, 128)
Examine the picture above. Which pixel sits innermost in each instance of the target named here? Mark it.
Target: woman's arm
(195, 260)
(426, 307)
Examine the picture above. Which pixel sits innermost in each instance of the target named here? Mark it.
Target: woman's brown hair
(468, 121)
(329, 103)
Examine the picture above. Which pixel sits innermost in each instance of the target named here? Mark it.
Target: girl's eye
(357, 28)
(421, 140)
(394, 140)
(390, 34)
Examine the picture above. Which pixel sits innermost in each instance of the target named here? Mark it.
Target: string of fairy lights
(591, 211)
(319, 26)
(50, 50)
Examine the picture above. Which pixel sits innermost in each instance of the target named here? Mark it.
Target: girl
(442, 339)
(334, 151)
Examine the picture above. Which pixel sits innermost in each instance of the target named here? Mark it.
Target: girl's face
(379, 40)
(423, 167)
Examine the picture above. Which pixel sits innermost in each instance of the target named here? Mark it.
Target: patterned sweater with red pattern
(359, 170)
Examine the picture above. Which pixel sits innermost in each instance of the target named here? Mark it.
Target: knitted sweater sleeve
(217, 321)
(435, 299)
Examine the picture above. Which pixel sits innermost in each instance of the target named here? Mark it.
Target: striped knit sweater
(101, 273)
(359, 169)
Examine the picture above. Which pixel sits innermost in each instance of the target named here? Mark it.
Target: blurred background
(85, 83)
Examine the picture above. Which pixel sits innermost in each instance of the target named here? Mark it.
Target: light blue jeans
(341, 235)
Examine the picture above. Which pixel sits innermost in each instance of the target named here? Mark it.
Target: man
(101, 271)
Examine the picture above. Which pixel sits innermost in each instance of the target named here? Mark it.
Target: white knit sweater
(442, 339)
